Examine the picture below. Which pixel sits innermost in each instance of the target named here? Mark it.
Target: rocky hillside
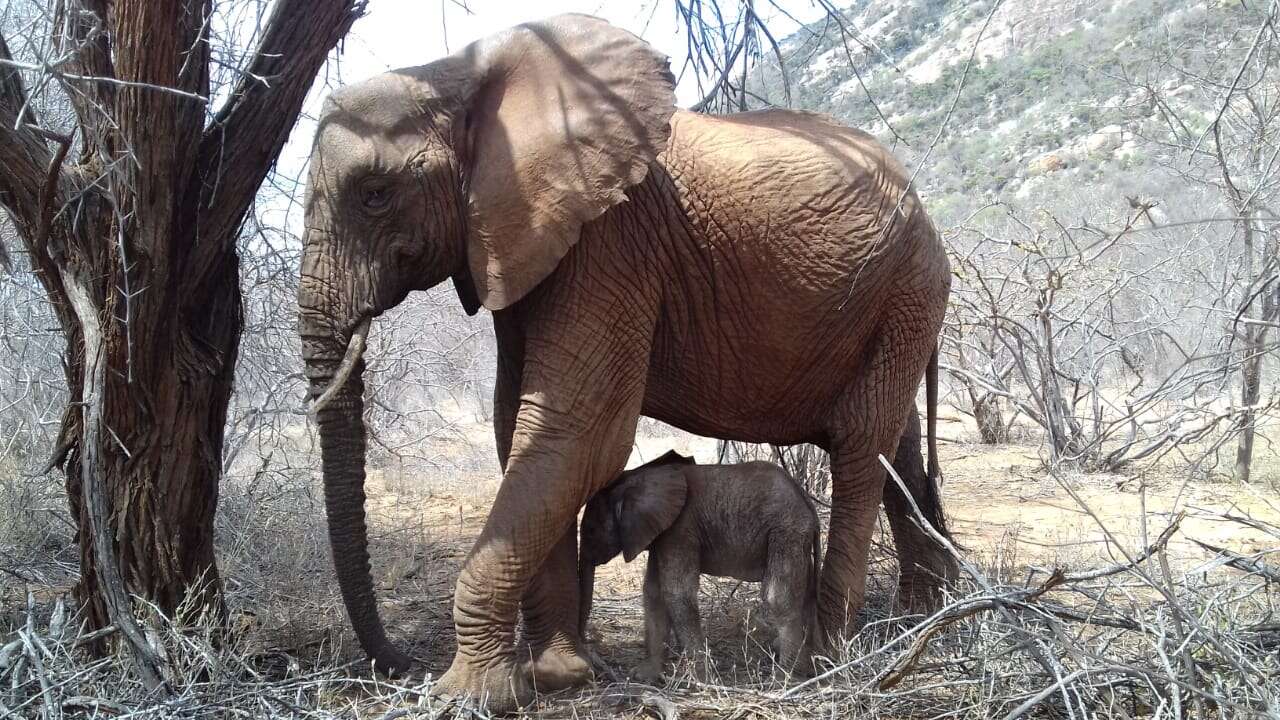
(1060, 95)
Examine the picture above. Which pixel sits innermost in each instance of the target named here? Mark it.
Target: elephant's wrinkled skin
(749, 521)
(767, 277)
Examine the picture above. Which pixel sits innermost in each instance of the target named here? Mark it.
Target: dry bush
(808, 464)
(1107, 335)
(35, 531)
(1145, 636)
(47, 675)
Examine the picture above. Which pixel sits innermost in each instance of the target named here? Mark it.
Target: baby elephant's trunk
(815, 639)
(586, 589)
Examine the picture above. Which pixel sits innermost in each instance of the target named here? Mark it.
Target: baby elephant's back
(748, 511)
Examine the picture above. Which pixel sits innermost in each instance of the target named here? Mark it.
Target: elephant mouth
(355, 350)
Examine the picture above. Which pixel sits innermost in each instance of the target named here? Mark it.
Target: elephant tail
(931, 401)
(931, 501)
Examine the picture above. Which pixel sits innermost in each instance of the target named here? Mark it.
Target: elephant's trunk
(342, 451)
(586, 590)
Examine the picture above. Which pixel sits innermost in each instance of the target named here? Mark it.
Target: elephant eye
(376, 194)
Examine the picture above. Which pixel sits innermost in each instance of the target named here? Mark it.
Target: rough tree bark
(134, 241)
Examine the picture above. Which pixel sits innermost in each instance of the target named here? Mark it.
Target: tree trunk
(158, 452)
(135, 243)
(1060, 424)
(1255, 339)
(985, 405)
(986, 412)
(1250, 391)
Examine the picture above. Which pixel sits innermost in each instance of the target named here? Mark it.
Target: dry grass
(1177, 633)
(35, 532)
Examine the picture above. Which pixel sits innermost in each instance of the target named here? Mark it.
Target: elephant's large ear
(567, 114)
(648, 505)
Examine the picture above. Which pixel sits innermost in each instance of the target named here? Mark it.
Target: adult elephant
(766, 277)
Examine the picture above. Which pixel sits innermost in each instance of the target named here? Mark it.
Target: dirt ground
(1005, 510)
(1011, 517)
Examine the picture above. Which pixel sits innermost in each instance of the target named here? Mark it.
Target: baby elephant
(749, 521)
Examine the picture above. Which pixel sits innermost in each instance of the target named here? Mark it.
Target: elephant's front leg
(579, 403)
(550, 619)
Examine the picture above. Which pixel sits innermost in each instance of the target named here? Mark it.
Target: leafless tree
(130, 216)
(1234, 152)
(1059, 321)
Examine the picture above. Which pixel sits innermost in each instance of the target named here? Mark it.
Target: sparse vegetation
(1111, 340)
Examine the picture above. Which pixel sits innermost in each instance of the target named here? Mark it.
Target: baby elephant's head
(627, 515)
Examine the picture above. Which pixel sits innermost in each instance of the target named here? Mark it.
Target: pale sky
(397, 33)
(400, 33)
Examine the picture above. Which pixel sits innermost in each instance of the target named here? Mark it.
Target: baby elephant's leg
(656, 625)
(788, 597)
(679, 576)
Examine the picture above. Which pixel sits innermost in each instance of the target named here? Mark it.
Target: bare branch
(1235, 82)
(247, 133)
(49, 189)
(23, 154)
(1244, 563)
(79, 31)
(106, 80)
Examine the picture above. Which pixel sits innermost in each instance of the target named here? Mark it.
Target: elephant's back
(744, 510)
(763, 492)
(797, 234)
(813, 198)
(787, 140)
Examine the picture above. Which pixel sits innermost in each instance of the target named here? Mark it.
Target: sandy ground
(1006, 511)
(1004, 508)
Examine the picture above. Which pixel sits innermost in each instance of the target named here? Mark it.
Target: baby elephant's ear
(649, 504)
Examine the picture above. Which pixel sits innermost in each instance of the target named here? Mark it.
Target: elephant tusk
(355, 348)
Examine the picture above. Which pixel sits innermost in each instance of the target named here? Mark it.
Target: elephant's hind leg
(856, 484)
(924, 564)
(550, 614)
(785, 589)
(867, 424)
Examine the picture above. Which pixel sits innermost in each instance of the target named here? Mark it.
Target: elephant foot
(557, 667)
(918, 597)
(835, 626)
(920, 589)
(501, 687)
(649, 673)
